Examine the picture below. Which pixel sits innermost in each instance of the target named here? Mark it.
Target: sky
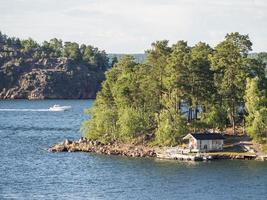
(130, 26)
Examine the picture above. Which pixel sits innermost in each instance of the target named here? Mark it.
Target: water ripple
(29, 172)
(38, 128)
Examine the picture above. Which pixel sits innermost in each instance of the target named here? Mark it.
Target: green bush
(258, 128)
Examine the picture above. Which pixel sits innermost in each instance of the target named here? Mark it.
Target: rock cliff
(49, 71)
(49, 79)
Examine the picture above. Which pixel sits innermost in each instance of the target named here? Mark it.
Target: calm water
(27, 171)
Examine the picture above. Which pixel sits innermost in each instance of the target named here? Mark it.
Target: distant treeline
(11, 47)
(221, 87)
(141, 57)
(138, 57)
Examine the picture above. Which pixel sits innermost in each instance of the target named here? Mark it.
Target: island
(146, 109)
(51, 70)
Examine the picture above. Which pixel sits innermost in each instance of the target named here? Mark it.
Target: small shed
(203, 142)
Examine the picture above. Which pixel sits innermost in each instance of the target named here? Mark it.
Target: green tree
(254, 98)
(71, 50)
(242, 42)
(88, 53)
(114, 61)
(29, 45)
(114, 96)
(255, 104)
(171, 125)
(102, 124)
(157, 58)
(229, 63)
(215, 117)
(258, 128)
(95, 58)
(177, 72)
(132, 123)
(201, 80)
(53, 48)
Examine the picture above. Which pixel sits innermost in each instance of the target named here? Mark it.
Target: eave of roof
(206, 136)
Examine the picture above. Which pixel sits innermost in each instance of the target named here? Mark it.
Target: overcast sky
(130, 26)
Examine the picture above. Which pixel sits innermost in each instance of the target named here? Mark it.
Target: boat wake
(54, 108)
(27, 110)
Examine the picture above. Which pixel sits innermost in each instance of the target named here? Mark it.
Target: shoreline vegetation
(178, 90)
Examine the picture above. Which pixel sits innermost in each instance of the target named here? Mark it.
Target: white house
(203, 142)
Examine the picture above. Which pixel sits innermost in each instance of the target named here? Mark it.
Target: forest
(21, 49)
(180, 89)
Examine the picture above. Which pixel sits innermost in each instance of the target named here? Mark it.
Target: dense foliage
(256, 107)
(14, 48)
(180, 89)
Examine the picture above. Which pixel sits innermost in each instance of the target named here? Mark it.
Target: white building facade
(204, 142)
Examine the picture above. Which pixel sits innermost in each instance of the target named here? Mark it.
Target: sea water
(29, 171)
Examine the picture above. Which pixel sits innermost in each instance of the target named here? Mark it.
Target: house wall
(206, 145)
(210, 145)
(193, 143)
(217, 144)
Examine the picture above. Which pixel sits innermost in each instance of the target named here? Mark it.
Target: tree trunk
(244, 125)
(233, 118)
(189, 115)
(234, 133)
(196, 111)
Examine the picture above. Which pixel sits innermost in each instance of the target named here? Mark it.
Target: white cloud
(131, 25)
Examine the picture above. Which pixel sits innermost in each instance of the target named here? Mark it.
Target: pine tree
(229, 63)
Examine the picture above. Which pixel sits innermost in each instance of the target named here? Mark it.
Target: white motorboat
(59, 108)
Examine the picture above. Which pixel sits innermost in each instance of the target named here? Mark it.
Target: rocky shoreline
(131, 150)
(84, 145)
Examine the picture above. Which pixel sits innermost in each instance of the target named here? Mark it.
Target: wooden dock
(184, 155)
(179, 157)
(177, 154)
(262, 158)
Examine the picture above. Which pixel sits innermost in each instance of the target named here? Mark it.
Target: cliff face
(49, 79)
(52, 70)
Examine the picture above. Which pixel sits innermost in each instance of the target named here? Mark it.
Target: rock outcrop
(95, 146)
(51, 70)
(49, 79)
